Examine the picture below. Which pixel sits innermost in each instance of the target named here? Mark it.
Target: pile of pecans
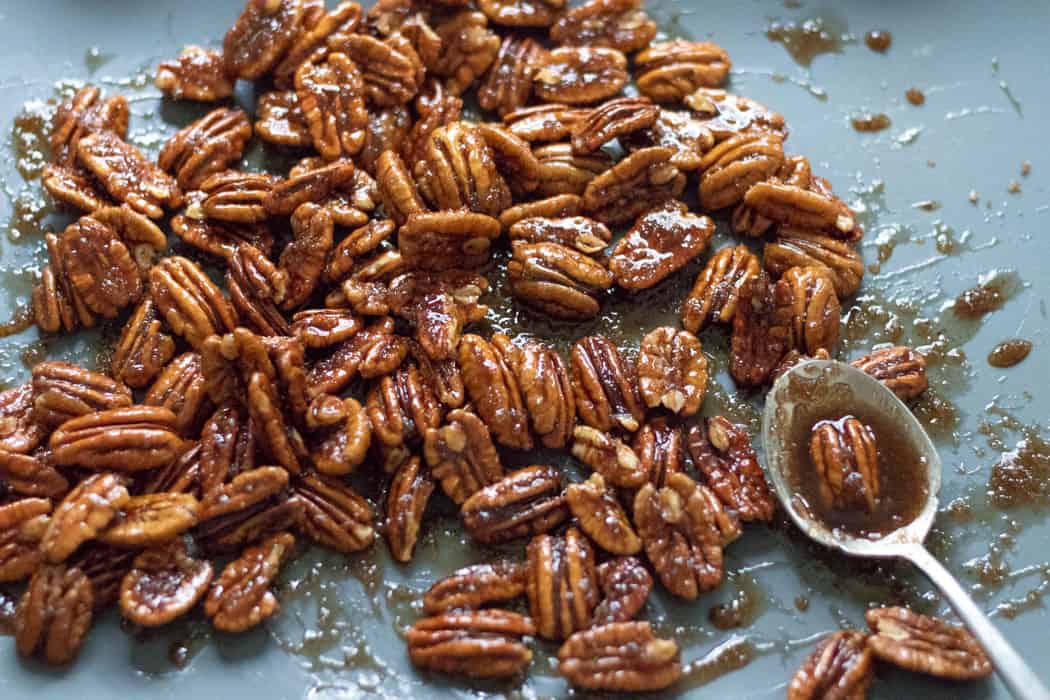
(231, 414)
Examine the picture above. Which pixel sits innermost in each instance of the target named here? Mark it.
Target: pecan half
(438, 305)
(457, 171)
(494, 391)
(840, 668)
(397, 188)
(473, 587)
(554, 207)
(612, 119)
(54, 614)
(304, 258)
(353, 250)
(564, 172)
(334, 514)
(625, 585)
(29, 475)
(447, 240)
(797, 248)
(105, 567)
(794, 357)
(588, 236)
(730, 169)
(660, 448)
(523, 503)
(561, 583)
(601, 516)
(671, 70)
(344, 19)
(639, 182)
(814, 309)
(73, 186)
(662, 241)
(469, 48)
(18, 431)
(558, 280)
(342, 434)
(607, 455)
(99, 267)
(761, 335)
(260, 36)
(391, 70)
(614, 24)
(205, 147)
(233, 196)
(151, 520)
(62, 391)
(723, 456)
(311, 180)
(22, 526)
(605, 385)
(82, 514)
(508, 84)
(221, 238)
(461, 455)
(56, 304)
(900, 368)
(926, 644)
(143, 349)
(197, 74)
(477, 643)
(716, 291)
(672, 370)
(181, 389)
(678, 130)
(580, 75)
(549, 122)
(240, 598)
(83, 114)
(163, 584)
(406, 502)
(133, 438)
(388, 130)
(546, 387)
(622, 656)
(331, 98)
(280, 121)
(191, 303)
(127, 175)
(521, 13)
(227, 447)
(279, 440)
(726, 114)
(845, 456)
(437, 107)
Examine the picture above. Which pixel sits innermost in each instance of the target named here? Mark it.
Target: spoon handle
(1018, 676)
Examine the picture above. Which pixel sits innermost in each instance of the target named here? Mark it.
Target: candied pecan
(794, 357)
(30, 475)
(579, 75)
(181, 389)
(436, 108)
(351, 251)
(279, 120)
(73, 186)
(442, 376)
(322, 328)
(221, 238)
(457, 170)
(461, 455)
(554, 207)
(22, 526)
(277, 438)
(601, 516)
(625, 587)
(163, 584)
(143, 349)
(18, 431)
(197, 74)
(469, 48)
(99, 267)
(549, 122)
(105, 567)
(659, 447)
(845, 457)
(473, 587)
(514, 159)
(331, 98)
(142, 237)
(62, 391)
(815, 208)
(391, 70)
(926, 644)
(723, 456)
(662, 241)
(564, 172)
(546, 388)
(680, 131)
(761, 335)
(151, 520)
(406, 501)
(333, 514)
(605, 385)
(523, 503)
(83, 513)
(402, 407)
(609, 456)
(672, 370)
(205, 147)
(132, 438)
(521, 13)
(227, 447)
(726, 114)
(814, 308)
(54, 614)
(240, 598)
(304, 258)
(614, 24)
(373, 352)
(684, 527)
(438, 305)
(311, 180)
(611, 119)
(420, 35)
(839, 668)
(669, 71)
(191, 303)
(232, 195)
(447, 239)
(127, 175)
(256, 287)
(344, 19)
(557, 280)
(797, 248)
(508, 84)
(344, 434)
(561, 583)
(636, 184)
(180, 477)
(476, 643)
(716, 292)
(495, 392)
(620, 656)
(56, 305)
(83, 114)
(730, 169)
(243, 492)
(388, 129)
(401, 198)
(578, 232)
(900, 368)
(260, 36)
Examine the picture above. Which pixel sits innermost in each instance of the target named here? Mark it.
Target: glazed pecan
(436, 107)
(260, 36)
(151, 520)
(558, 280)
(407, 499)
(614, 24)
(127, 175)
(521, 13)
(30, 475)
(508, 84)
(672, 370)
(636, 184)
(279, 120)
(197, 74)
(401, 198)
(73, 186)
(342, 434)
(143, 349)
(669, 71)
(143, 238)
(585, 235)
(495, 392)
(240, 598)
(716, 292)
(221, 238)
(22, 526)
(180, 477)
(351, 252)
(447, 240)
(680, 131)
(797, 248)
(840, 668)
(812, 208)
(19, 432)
(54, 614)
(62, 391)
(334, 514)
(553, 207)
(794, 357)
(461, 455)
(82, 514)
(190, 302)
(457, 171)
(310, 180)
(391, 70)
(523, 503)
(660, 448)
(546, 388)
(814, 309)
(304, 258)
(181, 389)
(105, 567)
(564, 172)
(438, 305)
(205, 147)
(402, 407)
(473, 587)
(469, 48)
(605, 385)
(662, 241)
(621, 656)
(761, 336)
(256, 287)
(561, 583)
(373, 352)
(277, 438)
(388, 130)
(82, 115)
(343, 20)
(846, 459)
(132, 438)
(625, 585)
(227, 447)
(55, 304)
(548, 123)
(233, 196)
(609, 456)
(612, 119)
(730, 169)
(926, 644)
(477, 643)
(601, 516)
(163, 584)
(900, 368)
(579, 75)
(514, 159)
(243, 492)
(98, 265)
(723, 456)
(726, 114)
(684, 528)
(331, 98)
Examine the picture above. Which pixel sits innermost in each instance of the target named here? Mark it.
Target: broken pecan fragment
(494, 390)
(181, 389)
(342, 434)
(205, 147)
(660, 448)
(662, 241)
(609, 456)
(580, 75)
(797, 248)
(672, 370)
(508, 84)
(461, 455)
(406, 502)
(477, 643)
(82, 115)
(62, 391)
(191, 303)
(846, 459)
(29, 475)
(814, 309)
(331, 98)
(152, 520)
(99, 267)
(82, 514)
(334, 515)
(197, 74)
(561, 583)
(840, 668)
(605, 385)
(558, 280)
(669, 71)
(926, 644)
(240, 598)
(900, 368)
(684, 527)
(761, 336)
(473, 587)
(716, 292)
(127, 175)
(601, 516)
(639, 182)
(279, 120)
(260, 36)
(578, 232)
(22, 526)
(614, 24)
(163, 584)
(132, 438)
(625, 585)
(19, 432)
(723, 456)
(447, 240)
(621, 656)
(523, 503)
(732, 167)
(54, 614)
(143, 349)
(546, 388)
(612, 119)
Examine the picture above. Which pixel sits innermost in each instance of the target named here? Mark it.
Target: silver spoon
(827, 380)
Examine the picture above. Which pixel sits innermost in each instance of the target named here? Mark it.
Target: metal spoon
(827, 380)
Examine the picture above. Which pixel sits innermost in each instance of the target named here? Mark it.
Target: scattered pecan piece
(143, 349)
(561, 583)
(726, 114)
(391, 71)
(548, 122)
(926, 644)
(334, 514)
(564, 172)
(554, 207)
(605, 385)
(730, 169)
(601, 516)
(662, 241)
(260, 36)
(625, 585)
(163, 584)
(797, 248)
(342, 434)
(191, 303)
(127, 175)
(331, 98)
(621, 656)
(477, 643)
(660, 448)
(580, 75)
(151, 520)
(669, 71)
(495, 392)
(723, 456)
(74, 186)
(612, 119)
(609, 456)
(240, 598)
(814, 309)
(900, 368)
(614, 24)
(523, 503)
(845, 456)
(18, 431)
(680, 131)
(716, 292)
(407, 499)
(181, 389)
(639, 182)
(54, 614)
(22, 526)
(672, 370)
(82, 514)
(558, 280)
(62, 391)
(132, 438)
(232, 196)
(840, 668)
(197, 74)
(761, 335)
(473, 587)
(461, 455)
(344, 19)
(205, 147)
